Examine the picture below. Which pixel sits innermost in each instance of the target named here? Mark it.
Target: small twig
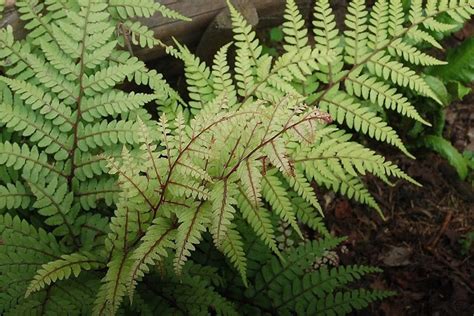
(444, 227)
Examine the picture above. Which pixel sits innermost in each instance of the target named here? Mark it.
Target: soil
(418, 246)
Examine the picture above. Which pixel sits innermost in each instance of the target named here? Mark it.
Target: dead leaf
(397, 257)
(343, 209)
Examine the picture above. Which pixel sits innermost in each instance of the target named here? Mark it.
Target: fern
(120, 204)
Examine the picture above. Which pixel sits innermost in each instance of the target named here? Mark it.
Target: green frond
(306, 214)
(107, 134)
(193, 221)
(396, 17)
(297, 260)
(378, 25)
(417, 35)
(188, 189)
(327, 39)
(300, 184)
(245, 38)
(436, 26)
(355, 36)
(344, 109)
(232, 247)
(248, 52)
(108, 77)
(142, 8)
(197, 78)
(222, 198)
(194, 296)
(23, 250)
(222, 82)
(276, 153)
(259, 219)
(316, 285)
(411, 54)
(140, 34)
(251, 178)
(296, 35)
(51, 107)
(13, 196)
(88, 193)
(31, 11)
(55, 203)
(378, 92)
(346, 302)
(33, 163)
(169, 13)
(340, 159)
(62, 269)
(90, 165)
(113, 103)
(60, 60)
(170, 210)
(38, 129)
(275, 193)
(158, 238)
(382, 66)
(53, 80)
(113, 289)
(353, 188)
(415, 14)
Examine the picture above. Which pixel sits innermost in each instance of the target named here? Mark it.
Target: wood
(202, 12)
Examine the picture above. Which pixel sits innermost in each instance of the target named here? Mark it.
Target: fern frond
(140, 34)
(382, 66)
(296, 261)
(54, 202)
(13, 196)
(327, 39)
(197, 78)
(343, 109)
(317, 284)
(300, 184)
(379, 24)
(418, 36)
(37, 129)
(232, 247)
(108, 77)
(296, 35)
(411, 54)
(88, 193)
(221, 79)
(59, 114)
(31, 11)
(142, 8)
(107, 134)
(193, 221)
(251, 179)
(274, 192)
(356, 35)
(346, 302)
(153, 248)
(306, 214)
(62, 269)
(259, 219)
(222, 198)
(113, 103)
(34, 165)
(369, 88)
